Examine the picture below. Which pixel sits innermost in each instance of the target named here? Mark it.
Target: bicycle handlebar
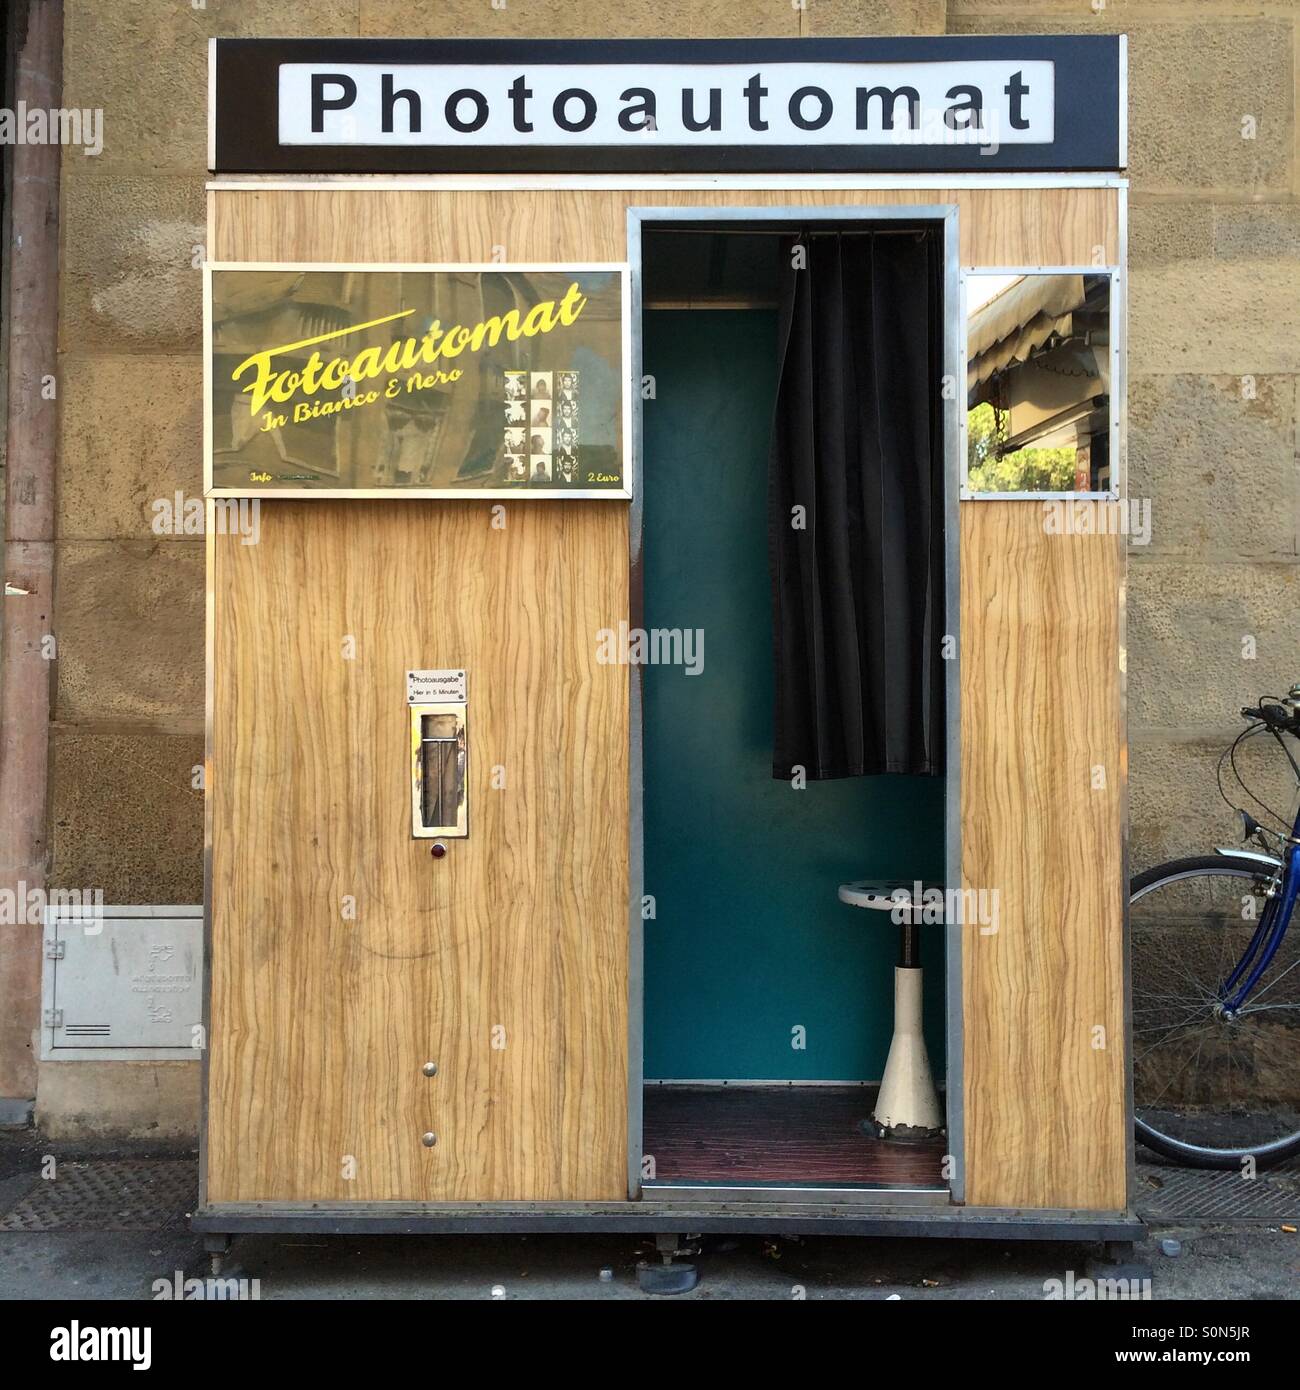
(1275, 716)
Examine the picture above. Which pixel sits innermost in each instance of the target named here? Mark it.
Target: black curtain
(857, 445)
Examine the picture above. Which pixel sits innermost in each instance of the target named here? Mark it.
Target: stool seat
(907, 1104)
(889, 895)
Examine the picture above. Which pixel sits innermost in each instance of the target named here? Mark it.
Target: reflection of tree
(989, 469)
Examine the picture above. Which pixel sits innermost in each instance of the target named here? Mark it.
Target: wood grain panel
(1042, 772)
(998, 226)
(319, 1025)
(323, 1016)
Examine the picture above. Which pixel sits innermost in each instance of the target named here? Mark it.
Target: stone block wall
(1214, 362)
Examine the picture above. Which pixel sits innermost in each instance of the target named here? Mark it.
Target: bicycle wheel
(1210, 1090)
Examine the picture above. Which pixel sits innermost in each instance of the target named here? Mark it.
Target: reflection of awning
(266, 307)
(1023, 317)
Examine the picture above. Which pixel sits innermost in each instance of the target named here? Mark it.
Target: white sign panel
(739, 104)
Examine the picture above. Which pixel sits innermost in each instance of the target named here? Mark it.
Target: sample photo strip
(566, 455)
(565, 431)
(516, 427)
(541, 427)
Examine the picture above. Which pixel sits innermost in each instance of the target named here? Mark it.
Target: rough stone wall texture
(1214, 357)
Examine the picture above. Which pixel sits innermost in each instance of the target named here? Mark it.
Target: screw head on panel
(429, 1140)
(430, 1069)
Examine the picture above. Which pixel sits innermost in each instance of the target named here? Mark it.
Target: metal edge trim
(396, 267)
(316, 183)
(212, 103)
(921, 1221)
(636, 784)
(1120, 397)
(955, 356)
(209, 681)
(948, 215)
(422, 494)
(1122, 151)
(862, 1196)
(209, 684)
(950, 1215)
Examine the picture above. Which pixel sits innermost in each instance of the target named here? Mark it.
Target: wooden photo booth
(505, 931)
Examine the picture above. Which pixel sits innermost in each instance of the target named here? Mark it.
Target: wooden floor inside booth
(809, 1135)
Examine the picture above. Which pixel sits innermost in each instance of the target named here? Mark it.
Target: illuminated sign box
(434, 381)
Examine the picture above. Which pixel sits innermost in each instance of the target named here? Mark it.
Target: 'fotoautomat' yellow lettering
(328, 374)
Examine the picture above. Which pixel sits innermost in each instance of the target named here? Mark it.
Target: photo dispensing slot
(439, 755)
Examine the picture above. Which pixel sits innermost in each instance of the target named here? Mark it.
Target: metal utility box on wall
(122, 984)
(474, 1001)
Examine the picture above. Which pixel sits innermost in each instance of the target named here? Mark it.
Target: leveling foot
(670, 1275)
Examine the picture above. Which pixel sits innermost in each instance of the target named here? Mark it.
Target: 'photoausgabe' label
(435, 687)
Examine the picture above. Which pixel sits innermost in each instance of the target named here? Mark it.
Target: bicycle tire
(1195, 1155)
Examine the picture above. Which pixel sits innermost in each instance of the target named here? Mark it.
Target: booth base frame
(655, 1216)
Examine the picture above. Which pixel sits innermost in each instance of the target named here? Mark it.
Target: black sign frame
(1089, 132)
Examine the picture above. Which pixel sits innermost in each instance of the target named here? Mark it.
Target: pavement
(99, 1252)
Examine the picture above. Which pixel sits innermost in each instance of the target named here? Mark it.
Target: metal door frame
(639, 220)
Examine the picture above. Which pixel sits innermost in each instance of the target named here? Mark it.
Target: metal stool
(907, 1107)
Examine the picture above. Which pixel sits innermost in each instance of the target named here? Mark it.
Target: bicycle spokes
(1216, 1008)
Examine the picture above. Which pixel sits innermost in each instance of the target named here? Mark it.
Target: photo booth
(679, 681)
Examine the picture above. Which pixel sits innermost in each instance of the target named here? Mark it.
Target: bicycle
(1216, 984)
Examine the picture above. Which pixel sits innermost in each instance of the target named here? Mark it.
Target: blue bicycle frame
(1273, 922)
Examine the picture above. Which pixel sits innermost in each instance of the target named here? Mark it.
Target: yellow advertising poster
(453, 381)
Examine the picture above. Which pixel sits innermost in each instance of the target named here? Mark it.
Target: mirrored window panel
(1038, 383)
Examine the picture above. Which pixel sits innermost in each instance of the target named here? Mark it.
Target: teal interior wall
(748, 941)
